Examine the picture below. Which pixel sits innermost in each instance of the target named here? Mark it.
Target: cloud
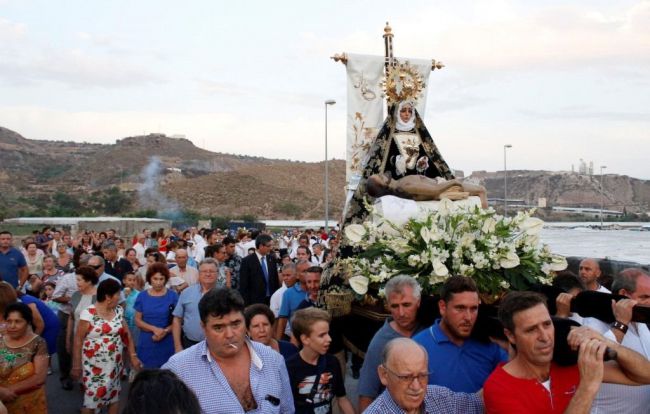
(75, 68)
(498, 37)
(584, 113)
(10, 31)
(236, 90)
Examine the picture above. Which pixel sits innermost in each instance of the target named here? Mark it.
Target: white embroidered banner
(365, 110)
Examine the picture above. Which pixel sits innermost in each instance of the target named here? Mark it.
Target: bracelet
(620, 326)
(134, 355)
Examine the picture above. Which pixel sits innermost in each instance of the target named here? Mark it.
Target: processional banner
(366, 107)
(365, 110)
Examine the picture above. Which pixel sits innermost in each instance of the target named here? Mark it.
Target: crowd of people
(214, 322)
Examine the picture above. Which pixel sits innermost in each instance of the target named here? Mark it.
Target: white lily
(439, 268)
(489, 225)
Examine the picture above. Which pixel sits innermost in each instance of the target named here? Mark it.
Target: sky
(560, 81)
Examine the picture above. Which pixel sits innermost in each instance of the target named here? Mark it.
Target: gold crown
(403, 82)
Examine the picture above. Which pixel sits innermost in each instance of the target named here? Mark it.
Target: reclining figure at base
(422, 188)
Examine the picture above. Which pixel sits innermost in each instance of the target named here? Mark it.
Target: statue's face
(405, 113)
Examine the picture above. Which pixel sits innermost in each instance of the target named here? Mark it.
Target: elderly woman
(23, 363)
(99, 342)
(64, 261)
(34, 258)
(50, 272)
(81, 299)
(153, 316)
(259, 324)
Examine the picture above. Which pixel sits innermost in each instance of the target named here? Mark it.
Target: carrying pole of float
(388, 53)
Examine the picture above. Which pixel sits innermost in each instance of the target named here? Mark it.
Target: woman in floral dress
(99, 342)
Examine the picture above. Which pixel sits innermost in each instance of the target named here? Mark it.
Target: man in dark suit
(258, 275)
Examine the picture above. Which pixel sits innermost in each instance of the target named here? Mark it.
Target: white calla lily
(532, 225)
(558, 263)
(355, 232)
(446, 206)
(510, 260)
(359, 284)
(425, 233)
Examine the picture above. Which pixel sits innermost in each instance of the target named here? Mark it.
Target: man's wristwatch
(620, 326)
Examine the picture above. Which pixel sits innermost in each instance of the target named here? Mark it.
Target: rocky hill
(569, 189)
(164, 174)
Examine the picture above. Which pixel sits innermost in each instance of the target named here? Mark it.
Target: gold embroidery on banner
(363, 138)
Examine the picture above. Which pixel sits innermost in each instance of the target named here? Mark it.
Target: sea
(616, 241)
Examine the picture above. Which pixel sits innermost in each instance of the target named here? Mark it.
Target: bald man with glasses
(404, 373)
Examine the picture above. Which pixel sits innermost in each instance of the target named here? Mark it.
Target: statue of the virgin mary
(403, 145)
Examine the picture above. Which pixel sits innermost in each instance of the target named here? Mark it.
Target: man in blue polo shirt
(456, 360)
(291, 300)
(13, 267)
(186, 326)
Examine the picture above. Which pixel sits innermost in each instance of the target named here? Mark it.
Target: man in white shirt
(589, 272)
(139, 249)
(318, 258)
(289, 279)
(303, 241)
(613, 398)
(188, 273)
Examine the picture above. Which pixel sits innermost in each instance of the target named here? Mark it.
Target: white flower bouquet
(499, 253)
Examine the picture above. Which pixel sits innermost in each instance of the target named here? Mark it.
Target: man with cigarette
(227, 372)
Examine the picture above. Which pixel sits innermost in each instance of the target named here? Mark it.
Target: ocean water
(618, 244)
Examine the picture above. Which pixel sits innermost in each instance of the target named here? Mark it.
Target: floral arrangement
(499, 253)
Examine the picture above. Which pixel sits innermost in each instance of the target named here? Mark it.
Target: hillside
(156, 172)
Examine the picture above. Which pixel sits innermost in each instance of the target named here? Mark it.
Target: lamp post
(602, 195)
(505, 181)
(327, 190)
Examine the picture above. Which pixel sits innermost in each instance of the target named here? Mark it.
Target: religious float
(406, 213)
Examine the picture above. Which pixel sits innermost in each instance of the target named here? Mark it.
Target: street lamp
(602, 195)
(505, 181)
(327, 190)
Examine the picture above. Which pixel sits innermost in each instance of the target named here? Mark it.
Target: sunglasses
(95, 266)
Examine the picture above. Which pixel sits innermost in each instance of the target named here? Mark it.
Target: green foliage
(143, 213)
(220, 221)
(249, 218)
(288, 208)
(51, 171)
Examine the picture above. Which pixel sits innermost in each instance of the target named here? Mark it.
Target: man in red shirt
(531, 383)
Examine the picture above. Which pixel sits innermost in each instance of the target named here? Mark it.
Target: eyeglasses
(422, 378)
